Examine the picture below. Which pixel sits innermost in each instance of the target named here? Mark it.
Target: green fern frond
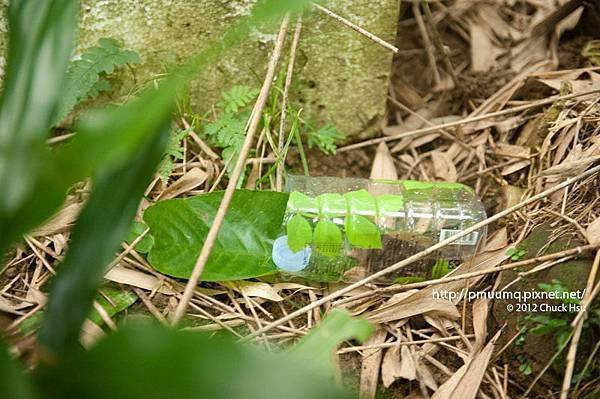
(174, 151)
(325, 139)
(236, 98)
(226, 131)
(85, 77)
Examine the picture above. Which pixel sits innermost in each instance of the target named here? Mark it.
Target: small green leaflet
(327, 238)
(299, 233)
(119, 301)
(361, 232)
(244, 245)
(325, 138)
(238, 97)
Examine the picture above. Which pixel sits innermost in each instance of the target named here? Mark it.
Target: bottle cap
(288, 260)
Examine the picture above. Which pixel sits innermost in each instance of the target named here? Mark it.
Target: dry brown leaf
(498, 241)
(192, 179)
(569, 167)
(59, 241)
(408, 368)
(390, 367)
(122, 275)
(579, 81)
(90, 333)
(564, 141)
(254, 289)
(457, 153)
(592, 233)
(383, 164)
(442, 325)
(401, 306)
(414, 302)
(483, 51)
(511, 195)
(401, 145)
(512, 150)
(369, 373)
(515, 167)
(425, 375)
(468, 386)
(425, 139)
(445, 390)
(6, 306)
(60, 222)
(407, 159)
(480, 314)
(443, 167)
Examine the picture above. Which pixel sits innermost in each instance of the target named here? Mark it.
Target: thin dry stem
(232, 184)
(284, 104)
(357, 28)
(437, 80)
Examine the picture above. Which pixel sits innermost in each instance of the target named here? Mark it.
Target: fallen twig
(357, 28)
(465, 121)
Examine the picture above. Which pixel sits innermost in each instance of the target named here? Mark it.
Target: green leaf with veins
(327, 238)
(362, 233)
(299, 233)
(244, 244)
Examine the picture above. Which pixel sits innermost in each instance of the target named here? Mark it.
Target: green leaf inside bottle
(299, 233)
(362, 233)
(327, 238)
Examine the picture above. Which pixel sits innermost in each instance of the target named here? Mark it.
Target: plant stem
(302, 154)
(211, 237)
(284, 104)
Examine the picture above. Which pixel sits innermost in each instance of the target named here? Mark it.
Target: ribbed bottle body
(342, 229)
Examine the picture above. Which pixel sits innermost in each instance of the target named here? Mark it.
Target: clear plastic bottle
(342, 229)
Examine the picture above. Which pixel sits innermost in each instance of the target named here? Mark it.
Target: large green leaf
(13, 383)
(40, 43)
(245, 241)
(102, 225)
(152, 362)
